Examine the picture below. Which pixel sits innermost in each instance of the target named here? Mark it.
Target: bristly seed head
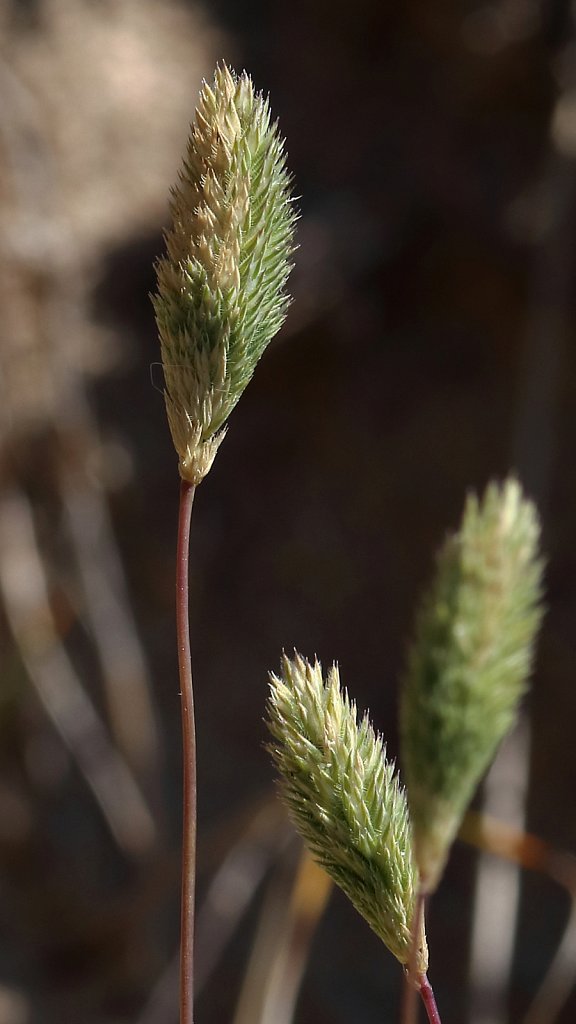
(345, 799)
(221, 286)
(469, 664)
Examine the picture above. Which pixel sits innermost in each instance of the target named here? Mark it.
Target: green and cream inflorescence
(221, 285)
(345, 799)
(469, 664)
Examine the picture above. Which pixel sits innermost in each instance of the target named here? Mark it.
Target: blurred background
(430, 346)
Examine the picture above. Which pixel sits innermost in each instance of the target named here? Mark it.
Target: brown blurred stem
(187, 492)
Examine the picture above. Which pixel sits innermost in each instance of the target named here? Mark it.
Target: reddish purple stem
(188, 759)
(428, 999)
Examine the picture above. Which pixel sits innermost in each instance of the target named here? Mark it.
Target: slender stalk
(429, 1001)
(187, 491)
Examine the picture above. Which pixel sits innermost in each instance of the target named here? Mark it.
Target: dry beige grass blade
(107, 611)
(497, 885)
(259, 842)
(55, 220)
(559, 980)
(25, 593)
(288, 922)
(235, 883)
(162, 1004)
(534, 854)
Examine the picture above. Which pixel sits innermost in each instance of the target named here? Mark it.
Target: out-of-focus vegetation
(429, 347)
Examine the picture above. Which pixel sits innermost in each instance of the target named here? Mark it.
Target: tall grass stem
(187, 491)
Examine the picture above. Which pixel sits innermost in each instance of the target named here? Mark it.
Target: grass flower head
(345, 799)
(469, 664)
(221, 285)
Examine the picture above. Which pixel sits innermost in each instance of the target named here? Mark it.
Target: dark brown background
(430, 346)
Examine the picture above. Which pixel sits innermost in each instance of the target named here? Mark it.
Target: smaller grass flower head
(469, 664)
(345, 799)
